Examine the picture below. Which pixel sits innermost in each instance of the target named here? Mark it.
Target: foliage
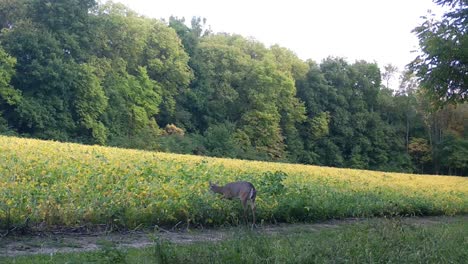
(272, 183)
(171, 129)
(453, 154)
(70, 184)
(90, 103)
(376, 240)
(99, 73)
(442, 64)
(237, 80)
(420, 151)
(8, 94)
(220, 141)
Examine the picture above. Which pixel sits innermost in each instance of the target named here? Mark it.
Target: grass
(49, 183)
(371, 241)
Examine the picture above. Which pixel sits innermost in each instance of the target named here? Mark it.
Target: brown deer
(243, 190)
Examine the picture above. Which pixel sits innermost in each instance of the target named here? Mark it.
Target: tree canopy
(102, 74)
(442, 65)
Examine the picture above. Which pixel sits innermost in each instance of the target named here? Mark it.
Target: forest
(99, 73)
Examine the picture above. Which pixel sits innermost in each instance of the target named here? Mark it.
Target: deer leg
(254, 208)
(244, 206)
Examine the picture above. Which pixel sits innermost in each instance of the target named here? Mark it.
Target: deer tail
(253, 194)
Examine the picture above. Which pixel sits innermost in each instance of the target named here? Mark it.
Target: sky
(372, 30)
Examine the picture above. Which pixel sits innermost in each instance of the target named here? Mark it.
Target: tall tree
(316, 94)
(144, 69)
(68, 20)
(9, 96)
(186, 115)
(220, 70)
(292, 110)
(190, 36)
(89, 103)
(167, 64)
(452, 153)
(77, 71)
(11, 11)
(420, 151)
(389, 74)
(119, 34)
(443, 62)
(61, 96)
(43, 75)
(241, 82)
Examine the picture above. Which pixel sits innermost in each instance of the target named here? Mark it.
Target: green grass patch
(371, 241)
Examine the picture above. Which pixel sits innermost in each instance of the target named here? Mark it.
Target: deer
(242, 190)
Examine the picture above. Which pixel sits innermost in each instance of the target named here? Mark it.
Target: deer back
(241, 190)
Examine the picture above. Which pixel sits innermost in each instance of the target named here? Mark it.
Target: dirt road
(60, 242)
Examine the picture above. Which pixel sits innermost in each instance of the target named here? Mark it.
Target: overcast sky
(373, 30)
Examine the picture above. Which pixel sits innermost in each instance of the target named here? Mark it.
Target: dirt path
(54, 242)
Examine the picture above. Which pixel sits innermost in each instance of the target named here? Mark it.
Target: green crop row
(70, 185)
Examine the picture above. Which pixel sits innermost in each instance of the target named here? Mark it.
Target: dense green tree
(316, 94)
(69, 22)
(219, 140)
(232, 85)
(119, 34)
(242, 82)
(11, 11)
(61, 96)
(452, 152)
(443, 62)
(89, 104)
(43, 75)
(9, 96)
(337, 73)
(167, 64)
(408, 120)
(260, 120)
(133, 102)
(101, 73)
(366, 83)
(292, 110)
(143, 42)
(190, 36)
(446, 123)
(220, 71)
(344, 103)
(420, 152)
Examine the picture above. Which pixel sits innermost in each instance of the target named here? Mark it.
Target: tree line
(79, 71)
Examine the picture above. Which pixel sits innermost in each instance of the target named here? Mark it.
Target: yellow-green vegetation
(377, 240)
(71, 184)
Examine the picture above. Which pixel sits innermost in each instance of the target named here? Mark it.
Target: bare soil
(63, 241)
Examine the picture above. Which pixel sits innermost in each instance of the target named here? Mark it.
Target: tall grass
(374, 241)
(72, 185)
